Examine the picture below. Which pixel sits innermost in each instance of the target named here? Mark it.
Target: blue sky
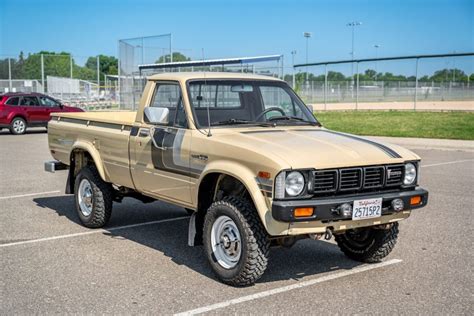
(241, 28)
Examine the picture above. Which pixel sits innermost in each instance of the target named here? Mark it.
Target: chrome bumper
(54, 165)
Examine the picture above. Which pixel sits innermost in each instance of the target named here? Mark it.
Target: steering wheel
(268, 111)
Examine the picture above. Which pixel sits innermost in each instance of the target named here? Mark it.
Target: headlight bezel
(280, 192)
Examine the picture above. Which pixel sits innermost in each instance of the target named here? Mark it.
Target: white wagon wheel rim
(226, 242)
(85, 197)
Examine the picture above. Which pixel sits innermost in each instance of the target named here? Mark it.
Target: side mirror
(310, 107)
(157, 115)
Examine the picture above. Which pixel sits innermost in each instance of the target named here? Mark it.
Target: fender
(21, 114)
(88, 147)
(243, 174)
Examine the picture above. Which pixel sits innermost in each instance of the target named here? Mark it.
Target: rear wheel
(368, 244)
(18, 126)
(235, 241)
(94, 198)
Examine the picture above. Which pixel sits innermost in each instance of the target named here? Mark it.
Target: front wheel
(368, 244)
(94, 198)
(235, 241)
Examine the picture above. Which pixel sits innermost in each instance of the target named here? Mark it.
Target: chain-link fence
(138, 51)
(431, 82)
(441, 83)
(75, 80)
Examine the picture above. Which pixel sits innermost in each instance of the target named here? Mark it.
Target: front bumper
(325, 209)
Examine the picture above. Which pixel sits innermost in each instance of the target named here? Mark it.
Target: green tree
(177, 56)
(107, 64)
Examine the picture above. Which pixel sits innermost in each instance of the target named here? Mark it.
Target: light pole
(307, 35)
(293, 53)
(376, 46)
(353, 25)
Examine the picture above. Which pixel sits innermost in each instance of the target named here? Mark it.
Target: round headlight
(410, 174)
(294, 183)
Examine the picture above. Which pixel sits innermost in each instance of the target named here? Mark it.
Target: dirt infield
(420, 105)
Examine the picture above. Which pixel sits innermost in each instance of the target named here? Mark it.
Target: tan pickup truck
(248, 160)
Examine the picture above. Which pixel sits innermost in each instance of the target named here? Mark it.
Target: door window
(29, 101)
(13, 101)
(168, 95)
(44, 101)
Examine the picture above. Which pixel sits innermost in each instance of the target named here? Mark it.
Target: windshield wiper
(291, 118)
(231, 121)
(234, 121)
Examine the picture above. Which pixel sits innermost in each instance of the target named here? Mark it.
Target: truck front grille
(351, 179)
(325, 181)
(373, 177)
(346, 180)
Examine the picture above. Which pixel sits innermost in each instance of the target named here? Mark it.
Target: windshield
(236, 102)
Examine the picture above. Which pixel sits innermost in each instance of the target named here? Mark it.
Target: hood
(68, 108)
(320, 148)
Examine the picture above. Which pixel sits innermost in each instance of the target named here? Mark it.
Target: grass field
(451, 125)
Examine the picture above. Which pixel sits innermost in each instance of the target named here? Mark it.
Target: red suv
(21, 110)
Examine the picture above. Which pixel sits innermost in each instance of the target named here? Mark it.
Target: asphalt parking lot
(140, 263)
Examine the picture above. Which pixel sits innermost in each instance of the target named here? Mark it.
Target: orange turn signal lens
(264, 174)
(303, 211)
(415, 200)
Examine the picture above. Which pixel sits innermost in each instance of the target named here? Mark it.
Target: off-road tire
(254, 241)
(102, 198)
(378, 245)
(12, 123)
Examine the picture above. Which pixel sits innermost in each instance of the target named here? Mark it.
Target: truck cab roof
(184, 76)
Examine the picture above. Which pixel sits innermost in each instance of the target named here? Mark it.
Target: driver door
(160, 166)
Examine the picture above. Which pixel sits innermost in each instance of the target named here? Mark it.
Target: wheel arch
(20, 115)
(83, 154)
(228, 176)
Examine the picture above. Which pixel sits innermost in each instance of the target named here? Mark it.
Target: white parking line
(446, 163)
(28, 194)
(287, 288)
(95, 231)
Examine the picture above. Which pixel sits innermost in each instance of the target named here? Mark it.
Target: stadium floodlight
(307, 35)
(353, 24)
(376, 46)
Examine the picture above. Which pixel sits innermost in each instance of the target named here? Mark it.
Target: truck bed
(113, 117)
(105, 135)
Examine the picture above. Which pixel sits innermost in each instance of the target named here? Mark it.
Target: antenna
(205, 84)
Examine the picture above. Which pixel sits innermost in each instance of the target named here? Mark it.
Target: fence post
(357, 86)
(171, 50)
(10, 85)
(416, 84)
(42, 72)
(70, 63)
(98, 76)
(325, 85)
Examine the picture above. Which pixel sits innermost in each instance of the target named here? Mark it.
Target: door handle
(144, 133)
(152, 133)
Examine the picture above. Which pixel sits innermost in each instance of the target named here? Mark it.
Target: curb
(428, 143)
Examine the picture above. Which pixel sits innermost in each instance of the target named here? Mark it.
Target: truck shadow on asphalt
(305, 258)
